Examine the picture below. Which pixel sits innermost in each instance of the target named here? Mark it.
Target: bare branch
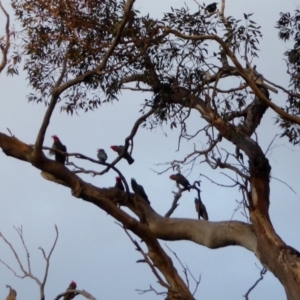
(20, 233)
(147, 260)
(47, 258)
(25, 272)
(29, 272)
(177, 196)
(263, 271)
(218, 184)
(12, 270)
(7, 42)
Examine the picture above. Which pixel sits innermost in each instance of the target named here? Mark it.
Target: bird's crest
(55, 138)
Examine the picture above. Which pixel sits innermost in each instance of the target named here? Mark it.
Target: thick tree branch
(105, 199)
(209, 234)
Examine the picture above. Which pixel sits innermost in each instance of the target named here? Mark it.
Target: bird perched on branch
(102, 156)
(139, 190)
(119, 150)
(180, 179)
(201, 209)
(211, 7)
(72, 286)
(12, 294)
(119, 185)
(57, 145)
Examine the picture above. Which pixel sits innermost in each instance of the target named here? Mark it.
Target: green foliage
(68, 39)
(289, 29)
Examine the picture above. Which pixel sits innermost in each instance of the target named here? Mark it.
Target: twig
(284, 184)
(141, 292)
(218, 184)
(186, 271)
(263, 271)
(184, 268)
(177, 196)
(25, 272)
(47, 258)
(274, 138)
(146, 260)
(20, 233)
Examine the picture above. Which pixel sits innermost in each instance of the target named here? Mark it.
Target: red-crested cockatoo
(57, 145)
(119, 150)
(119, 184)
(72, 286)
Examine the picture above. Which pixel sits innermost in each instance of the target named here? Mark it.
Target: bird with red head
(71, 287)
(58, 145)
(119, 150)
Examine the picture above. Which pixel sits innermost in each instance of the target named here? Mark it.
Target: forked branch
(27, 272)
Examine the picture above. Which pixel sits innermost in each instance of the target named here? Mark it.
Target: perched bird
(72, 286)
(201, 209)
(12, 294)
(102, 156)
(57, 145)
(139, 190)
(119, 150)
(119, 185)
(180, 179)
(211, 7)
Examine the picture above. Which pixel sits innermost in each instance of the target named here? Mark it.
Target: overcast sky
(95, 252)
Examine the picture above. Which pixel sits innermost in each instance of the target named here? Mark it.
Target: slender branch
(262, 273)
(147, 260)
(25, 272)
(184, 268)
(29, 272)
(20, 233)
(133, 132)
(177, 196)
(7, 42)
(275, 178)
(12, 270)
(218, 184)
(47, 258)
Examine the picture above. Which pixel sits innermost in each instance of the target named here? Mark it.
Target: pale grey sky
(92, 250)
